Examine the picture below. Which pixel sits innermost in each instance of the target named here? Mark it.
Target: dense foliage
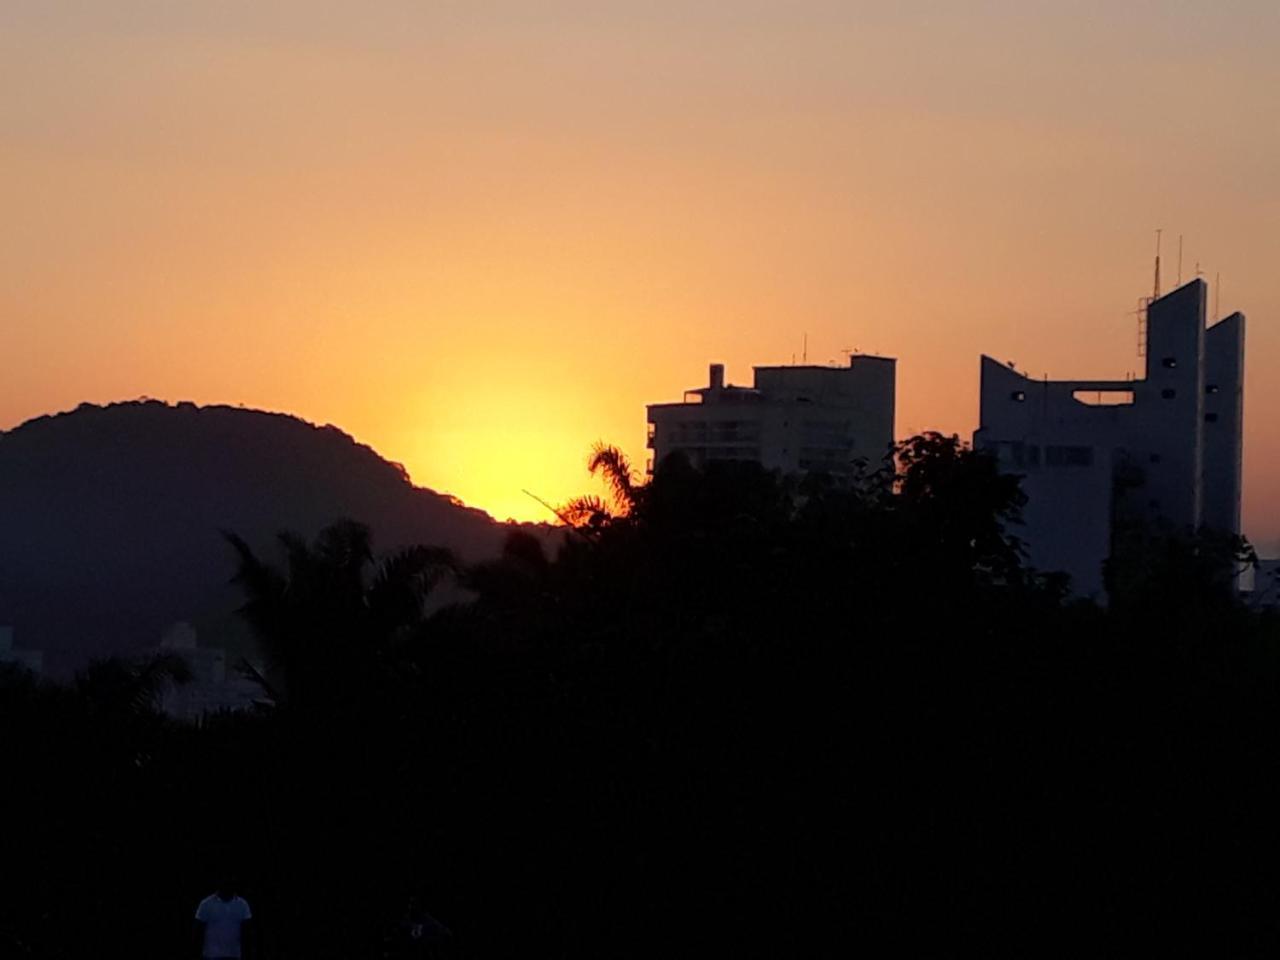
(729, 715)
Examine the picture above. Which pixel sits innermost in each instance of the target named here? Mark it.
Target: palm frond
(615, 466)
(403, 581)
(131, 686)
(255, 577)
(583, 512)
(251, 672)
(155, 675)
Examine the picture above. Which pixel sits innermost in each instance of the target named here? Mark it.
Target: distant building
(213, 687)
(1264, 588)
(1164, 450)
(33, 660)
(791, 419)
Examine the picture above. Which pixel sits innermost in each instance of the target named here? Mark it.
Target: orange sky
(481, 236)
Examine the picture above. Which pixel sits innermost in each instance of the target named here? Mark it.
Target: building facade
(1264, 587)
(215, 685)
(792, 419)
(1162, 451)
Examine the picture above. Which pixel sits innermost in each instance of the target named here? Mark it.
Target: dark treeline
(729, 716)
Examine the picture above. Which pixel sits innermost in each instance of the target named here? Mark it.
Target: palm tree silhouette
(625, 494)
(123, 687)
(335, 616)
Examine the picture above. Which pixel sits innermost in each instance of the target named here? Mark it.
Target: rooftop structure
(1162, 451)
(792, 419)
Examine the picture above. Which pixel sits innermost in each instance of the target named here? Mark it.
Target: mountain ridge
(111, 516)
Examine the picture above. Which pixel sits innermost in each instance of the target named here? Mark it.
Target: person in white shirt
(221, 923)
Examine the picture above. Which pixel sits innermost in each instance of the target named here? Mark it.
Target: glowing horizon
(481, 240)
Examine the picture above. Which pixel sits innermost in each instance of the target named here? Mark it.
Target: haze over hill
(111, 517)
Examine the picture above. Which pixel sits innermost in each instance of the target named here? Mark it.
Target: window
(691, 431)
(1154, 458)
(1068, 456)
(1210, 388)
(734, 431)
(827, 433)
(1210, 418)
(1018, 396)
(1168, 393)
(1169, 363)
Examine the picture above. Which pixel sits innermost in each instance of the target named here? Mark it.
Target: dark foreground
(731, 723)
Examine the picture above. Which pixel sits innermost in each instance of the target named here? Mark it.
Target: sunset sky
(481, 236)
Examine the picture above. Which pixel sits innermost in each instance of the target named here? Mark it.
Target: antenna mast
(1156, 295)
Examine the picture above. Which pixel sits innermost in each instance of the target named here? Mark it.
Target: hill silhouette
(111, 516)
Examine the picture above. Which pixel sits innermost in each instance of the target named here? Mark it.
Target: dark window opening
(1154, 458)
(1210, 418)
(1015, 452)
(1168, 394)
(1169, 363)
(1068, 456)
(1018, 396)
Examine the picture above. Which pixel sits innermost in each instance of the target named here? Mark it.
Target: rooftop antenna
(1157, 284)
(806, 348)
(1199, 272)
(1179, 259)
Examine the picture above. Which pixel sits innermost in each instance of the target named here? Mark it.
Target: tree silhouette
(130, 687)
(768, 713)
(591, 512)
(335, 620)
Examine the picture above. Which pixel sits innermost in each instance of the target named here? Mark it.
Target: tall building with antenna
(1163, 451)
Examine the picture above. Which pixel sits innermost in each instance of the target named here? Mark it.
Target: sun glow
(489, 453)
(480, 240)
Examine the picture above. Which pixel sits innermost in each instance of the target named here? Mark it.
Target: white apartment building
(1264, 586)
(791, 419)
(1163, 450)
(215, 685)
